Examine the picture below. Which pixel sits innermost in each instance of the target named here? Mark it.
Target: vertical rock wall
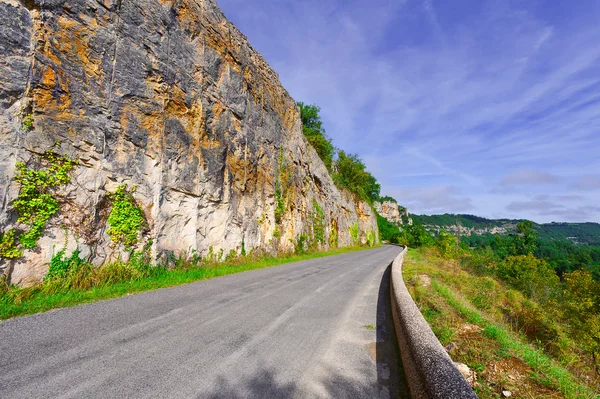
(169, 97)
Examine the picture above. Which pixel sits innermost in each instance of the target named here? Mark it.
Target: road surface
(320, 328)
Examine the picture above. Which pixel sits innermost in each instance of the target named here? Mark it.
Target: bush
(60, 265)
(446, 244)
(529, 274)
(126, 219)
(351, 174)
(312, 127)
(36, 203)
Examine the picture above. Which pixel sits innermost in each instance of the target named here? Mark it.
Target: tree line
(348, 171)
(569, 296)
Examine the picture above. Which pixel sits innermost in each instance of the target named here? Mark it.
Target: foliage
(523, 242)
(333, 234)
(350, 173)
(301, 244)
(387, 230)
(517, 332)
(60, 266)
(387, 199)
(27, 122)
(279, 191)
(415, 236)
(126, 219)
(371, 238)
(36, 202)
(354, 232)
(312, 127)
(582, 304)
(529, 274)
(576, 233)
(8, 246)
(279, 204)
(318, 221)
(446, 244)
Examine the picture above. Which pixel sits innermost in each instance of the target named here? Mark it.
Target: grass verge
(85, 284)
(470, 311)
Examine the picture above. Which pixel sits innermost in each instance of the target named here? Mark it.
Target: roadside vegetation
(73, 281)
(519, 324)
(348, 171)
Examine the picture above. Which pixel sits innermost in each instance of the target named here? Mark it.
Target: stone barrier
(430, 372)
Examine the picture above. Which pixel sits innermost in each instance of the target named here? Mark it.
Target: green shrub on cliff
(312, 127)
(126, 219)
(37, 203)
(318, 222)
(350, 173)
(8, 246)
(387, 230)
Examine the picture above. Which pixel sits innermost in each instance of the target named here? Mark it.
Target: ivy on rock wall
(126, 219)
(37, 201)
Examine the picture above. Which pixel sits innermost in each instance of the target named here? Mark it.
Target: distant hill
(579, 233)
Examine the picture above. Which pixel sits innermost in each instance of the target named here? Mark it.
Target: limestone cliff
(169, 97)
(392, 212)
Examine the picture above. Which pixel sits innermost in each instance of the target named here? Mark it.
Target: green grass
(106, 283)
(548, 372)
(479, 314)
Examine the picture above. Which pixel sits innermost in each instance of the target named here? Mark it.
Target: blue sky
(470, 106)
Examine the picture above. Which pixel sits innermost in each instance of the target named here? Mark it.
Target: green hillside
(580, 233)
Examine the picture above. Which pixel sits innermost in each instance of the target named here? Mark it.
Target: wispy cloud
(587, 183)
(528, 177)
(446, 94)
(555, 207)
(435, 199)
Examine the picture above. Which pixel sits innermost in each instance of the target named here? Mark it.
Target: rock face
(169, 97)
(392, 212)
(389, 210)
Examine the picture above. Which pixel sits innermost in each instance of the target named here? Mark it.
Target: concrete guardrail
(429, 370)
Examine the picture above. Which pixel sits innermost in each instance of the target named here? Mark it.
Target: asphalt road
(318, 328)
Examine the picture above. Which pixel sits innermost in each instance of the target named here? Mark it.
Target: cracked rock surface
(169, 97)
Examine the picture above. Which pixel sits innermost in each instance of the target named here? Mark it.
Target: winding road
(320, 328)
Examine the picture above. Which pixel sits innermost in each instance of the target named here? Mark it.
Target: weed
(318, 221)
(370, 238)
(354, 234)
(300, 245)
(27, 123)
(333, 234)
(126, 219)
(36, 202)
(369, 326)
(8, 246)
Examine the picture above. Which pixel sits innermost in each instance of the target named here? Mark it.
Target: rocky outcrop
(468, 231)
(389, 210)
(169, 97)
(392, 212)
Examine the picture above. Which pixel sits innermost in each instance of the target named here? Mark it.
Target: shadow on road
(390, 372)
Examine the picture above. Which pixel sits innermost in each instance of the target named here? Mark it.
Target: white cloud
(528, 177)
(434, 95)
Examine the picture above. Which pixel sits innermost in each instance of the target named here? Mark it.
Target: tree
(415, 235)
(312, 127)
(350, 173)
(523, 242)
(387, 231)
(582, 303)
(531, 275)
(446, 244)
